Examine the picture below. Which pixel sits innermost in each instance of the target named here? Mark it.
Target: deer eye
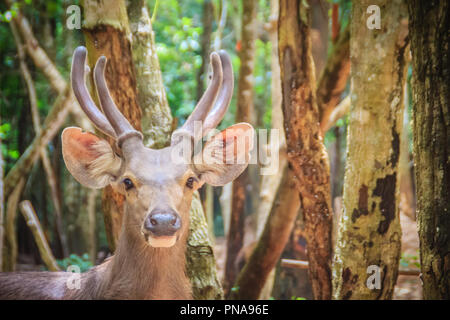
(190, 182)
(128, 184)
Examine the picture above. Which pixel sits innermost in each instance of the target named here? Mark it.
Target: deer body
(158, 185)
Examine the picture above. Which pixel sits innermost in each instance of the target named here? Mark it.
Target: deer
(149, 261)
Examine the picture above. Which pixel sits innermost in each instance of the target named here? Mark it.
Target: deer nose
(162, 223)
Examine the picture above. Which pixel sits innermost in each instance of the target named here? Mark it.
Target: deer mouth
(162, 241)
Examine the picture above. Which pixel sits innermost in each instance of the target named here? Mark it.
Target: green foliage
(410, 260)
(82, 262)
(297, 298)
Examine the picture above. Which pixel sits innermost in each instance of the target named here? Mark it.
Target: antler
(121, 126)
(114, 124)
(226, 93)
(222, 79)
(83, 96)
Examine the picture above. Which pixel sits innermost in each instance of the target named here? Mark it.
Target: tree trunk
(252, 278)
(207, 23)
(270, 183)
(156, 117)
(368, 246)
(244, 111)
(107, 33)
(429, 25)
(305, 149)
(201, 264)
(292, 282)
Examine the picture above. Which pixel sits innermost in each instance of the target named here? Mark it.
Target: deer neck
(139, 271)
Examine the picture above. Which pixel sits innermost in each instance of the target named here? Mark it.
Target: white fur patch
(106, 162)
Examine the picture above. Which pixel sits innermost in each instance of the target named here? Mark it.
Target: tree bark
(369, 231)
(156, 117)
(107, 33)
(244, 111)
(207, 23)
(305, 149)
(270, 183)
(252, 278)
(429, 25)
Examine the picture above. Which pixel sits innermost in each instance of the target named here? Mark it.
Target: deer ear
(225, 155)
(90, 159)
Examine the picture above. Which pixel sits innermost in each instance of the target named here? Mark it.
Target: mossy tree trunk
(429, 27)
(369, 230)
(306, 152)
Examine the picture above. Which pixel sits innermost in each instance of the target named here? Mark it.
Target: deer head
(157, 189)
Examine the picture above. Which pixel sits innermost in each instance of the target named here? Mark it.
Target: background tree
(369, 229)
(244, 112)
(306, 153)
(429, 24)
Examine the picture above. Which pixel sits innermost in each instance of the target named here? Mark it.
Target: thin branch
(48, 68)
(334, 78)
(342, 109)
(51, 177)
(33, 223)
(221, 26)
(10, 249)
(53, 122)
(277, 230)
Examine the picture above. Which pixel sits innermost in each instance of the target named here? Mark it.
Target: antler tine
(83, 96)
(226, 92)
(208, 98)
(117, 120)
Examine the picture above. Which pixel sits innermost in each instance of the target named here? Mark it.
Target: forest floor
(407, 288)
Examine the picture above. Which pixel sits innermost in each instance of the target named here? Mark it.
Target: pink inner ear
(78, 144)
(232, 135)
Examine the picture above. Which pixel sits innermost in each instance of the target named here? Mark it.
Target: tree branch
(334, 78)
(51, 178)
(33, 223)
(341, 109)
(53, 122)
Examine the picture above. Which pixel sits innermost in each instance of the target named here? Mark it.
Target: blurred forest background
(185, 32)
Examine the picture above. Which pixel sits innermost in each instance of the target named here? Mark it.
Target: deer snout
(162, 223)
